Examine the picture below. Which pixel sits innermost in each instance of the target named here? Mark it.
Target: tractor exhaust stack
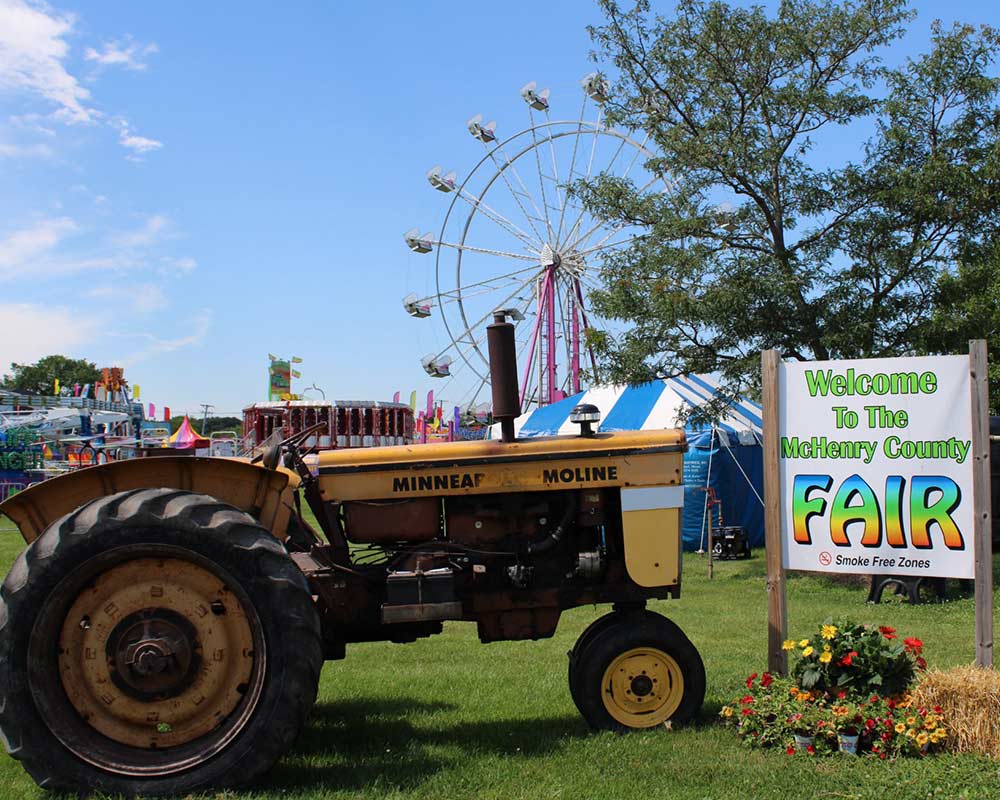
(503, 374)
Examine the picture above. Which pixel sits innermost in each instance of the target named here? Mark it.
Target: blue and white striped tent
(726, 456)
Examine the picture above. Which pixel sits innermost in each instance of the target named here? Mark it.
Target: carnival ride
(516, 236)
(331, 424)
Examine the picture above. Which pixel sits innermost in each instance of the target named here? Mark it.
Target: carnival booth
(723, 468)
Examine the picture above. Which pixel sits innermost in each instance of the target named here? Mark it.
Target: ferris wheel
(515, 237)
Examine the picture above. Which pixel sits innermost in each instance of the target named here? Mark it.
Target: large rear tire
(155, 642)
(636, 670)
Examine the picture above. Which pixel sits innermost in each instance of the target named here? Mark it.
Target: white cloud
(21, 247)
(31, 122)
(53, 330)
(142, 297)
(38, 150)
(32, 55)
(152, 231)
(175, 265)
(198, 325)
(139, 145)
(128, 55)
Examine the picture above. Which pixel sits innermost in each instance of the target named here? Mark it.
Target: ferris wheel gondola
(516, 236)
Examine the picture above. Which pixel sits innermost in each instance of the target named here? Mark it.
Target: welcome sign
(875, 466)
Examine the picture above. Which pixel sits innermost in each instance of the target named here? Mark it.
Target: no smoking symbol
(825, 558)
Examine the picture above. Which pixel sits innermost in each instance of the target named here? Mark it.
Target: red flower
(747, 712)
(887, 632)
(874, 699)
(892, 704)
(841, 695)
(810, 749)
(921, 662)
(913, 644)
(881, 755)
(886, 737)
(937, 709)
(790, 750)
(747, 700)
(766, 679)
(750, 680)
(869, 723)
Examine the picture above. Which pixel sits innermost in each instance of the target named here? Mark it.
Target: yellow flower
(727, 711)
(911, 721)
(826, 648)
(922, 738)
(941, 732)
(803, 643)
(788, 644)
(900, 727)
(825, 657)
(807, 652)
(911, 733)
(829, 631)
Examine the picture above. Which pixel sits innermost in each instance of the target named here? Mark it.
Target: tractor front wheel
(154, 642)
(635, 671)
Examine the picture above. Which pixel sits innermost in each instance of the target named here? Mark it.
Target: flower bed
(848, 692)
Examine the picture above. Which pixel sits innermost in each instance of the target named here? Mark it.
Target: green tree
(762, 242)
(966, 305)
(40, 377)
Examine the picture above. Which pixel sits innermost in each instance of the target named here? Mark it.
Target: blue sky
(186, 187)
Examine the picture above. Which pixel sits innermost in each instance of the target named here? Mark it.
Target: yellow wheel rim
(156, 652)
(642, 687)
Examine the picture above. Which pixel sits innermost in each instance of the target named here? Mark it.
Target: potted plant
(847, 720)
(803, 725)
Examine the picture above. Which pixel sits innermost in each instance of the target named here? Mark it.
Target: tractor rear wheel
(637, 671)
(155, 642)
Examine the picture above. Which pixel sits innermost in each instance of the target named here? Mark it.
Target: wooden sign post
(777, 613)
(981, 500)
(847, 428)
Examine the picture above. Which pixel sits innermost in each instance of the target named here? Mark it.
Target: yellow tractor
(165, 628)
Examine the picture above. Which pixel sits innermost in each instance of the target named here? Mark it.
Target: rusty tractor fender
(264, 493)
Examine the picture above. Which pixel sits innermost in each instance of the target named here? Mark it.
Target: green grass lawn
(448, 717)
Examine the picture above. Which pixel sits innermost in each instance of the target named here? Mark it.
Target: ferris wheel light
(416, 307)
(436, 366)
(443, 183)
(418, 243)
(484, 133)
(511, 313)
(537, 100)
(596, 86)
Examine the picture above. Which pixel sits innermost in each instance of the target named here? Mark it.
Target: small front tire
(636, 672)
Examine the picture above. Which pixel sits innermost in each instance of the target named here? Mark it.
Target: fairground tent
(185, 438)
(726, 456)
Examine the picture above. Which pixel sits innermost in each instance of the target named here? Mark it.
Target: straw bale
(969, 698)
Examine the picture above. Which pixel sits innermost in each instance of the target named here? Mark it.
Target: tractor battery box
(406, 588)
